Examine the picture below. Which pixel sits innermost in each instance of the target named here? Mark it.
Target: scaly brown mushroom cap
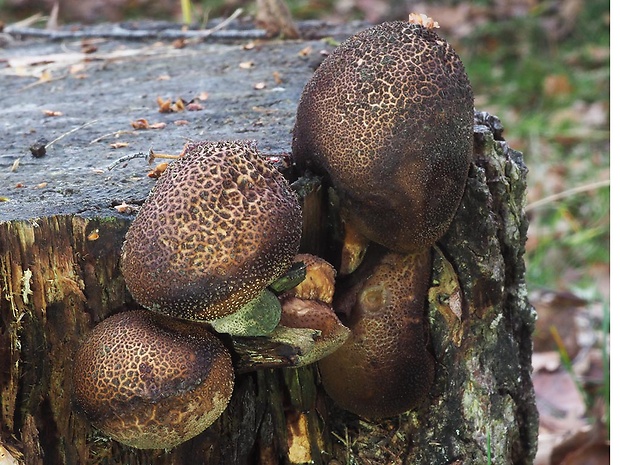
(218, 227)
(384, 368)
(151, 381)
(389, 117)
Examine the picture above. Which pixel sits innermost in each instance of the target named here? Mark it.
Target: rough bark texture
(60, 276)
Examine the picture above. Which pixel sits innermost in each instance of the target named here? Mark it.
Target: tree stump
(60, 276)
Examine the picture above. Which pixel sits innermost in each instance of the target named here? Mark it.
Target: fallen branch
(117, 32)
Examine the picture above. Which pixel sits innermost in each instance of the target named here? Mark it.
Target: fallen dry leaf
(119, 145)
(562, 312)
(88, 47)
(179, 43)
(587, 446)
(141, 123)
(194, 106)
(304, 52)
(556, 85)
(421, 19)
(158, 170)
(167, 106)
(125, 208)
(559, 402)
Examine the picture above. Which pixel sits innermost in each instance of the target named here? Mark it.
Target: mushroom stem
(353, 249)
(259, 317)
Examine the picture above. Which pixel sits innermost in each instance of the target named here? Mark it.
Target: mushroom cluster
(217, 229)
(388, 119)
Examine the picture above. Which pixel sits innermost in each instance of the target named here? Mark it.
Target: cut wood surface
(248, 89)
(61, 233)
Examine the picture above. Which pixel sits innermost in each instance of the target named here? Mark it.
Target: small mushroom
(219, 226)
(151, 381)
(319, 281)
(388, 117)
(309, 305)
(385, 367)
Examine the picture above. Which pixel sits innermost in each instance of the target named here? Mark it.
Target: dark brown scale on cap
(389, 117)
(384, 368)
(218, 227)
(151, 381)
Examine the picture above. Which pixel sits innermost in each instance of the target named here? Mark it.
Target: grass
(553, 98)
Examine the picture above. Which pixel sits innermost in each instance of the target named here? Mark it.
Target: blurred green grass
(552, 95)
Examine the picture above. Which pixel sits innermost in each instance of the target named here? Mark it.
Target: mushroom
(388, 117)
(309, 305)
(384, 368)
(219, 226)
(151, 381)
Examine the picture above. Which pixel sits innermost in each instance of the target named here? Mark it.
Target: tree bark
(60, 276)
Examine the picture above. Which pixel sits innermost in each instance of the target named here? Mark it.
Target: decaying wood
(59, 276)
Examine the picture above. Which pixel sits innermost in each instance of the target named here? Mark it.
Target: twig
(29, 21)
(226, 22)
(132, 156)
(110, 134)
(567, 193)
(62, 136)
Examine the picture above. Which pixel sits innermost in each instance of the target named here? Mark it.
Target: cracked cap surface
(218, 227)
(389, 117)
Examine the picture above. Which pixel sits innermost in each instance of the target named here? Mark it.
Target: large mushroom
(151, 381)
(388, 119)
(219, 226)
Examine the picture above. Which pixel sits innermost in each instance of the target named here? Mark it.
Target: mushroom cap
(388, 116)
(384, 368)
(319, 282)
(150, 381)
(218, 227)
(309, 305)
